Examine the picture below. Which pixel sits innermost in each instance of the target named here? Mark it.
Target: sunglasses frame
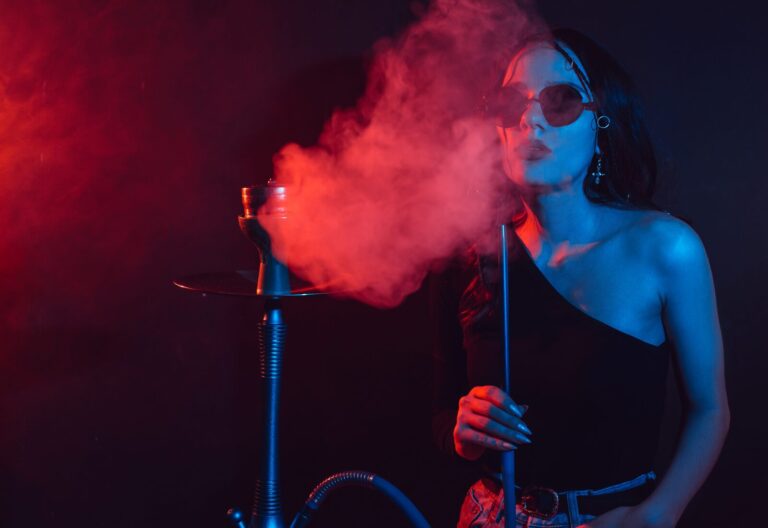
(589, 105)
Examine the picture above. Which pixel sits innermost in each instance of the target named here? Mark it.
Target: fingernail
(507, 445)
(525, 439)
(524, 428)
(516, 410)
(524, 408)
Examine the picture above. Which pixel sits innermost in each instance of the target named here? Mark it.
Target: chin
(535, 174)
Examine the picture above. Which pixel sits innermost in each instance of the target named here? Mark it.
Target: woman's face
(535, 152)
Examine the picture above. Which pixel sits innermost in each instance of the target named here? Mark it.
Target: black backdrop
(135, 405)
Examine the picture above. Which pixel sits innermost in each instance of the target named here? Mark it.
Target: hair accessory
(603, 122)
(598, 172)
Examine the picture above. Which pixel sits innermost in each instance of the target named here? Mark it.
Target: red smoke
(110, 112)
(413, 174)
(70, 121)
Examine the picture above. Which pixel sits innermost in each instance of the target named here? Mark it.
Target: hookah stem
(507, 457)
(267, 508)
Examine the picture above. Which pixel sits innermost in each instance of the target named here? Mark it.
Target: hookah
(273, 283)
(507, 457)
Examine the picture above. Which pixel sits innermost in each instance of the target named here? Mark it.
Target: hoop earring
(603, 122)
(598, 172)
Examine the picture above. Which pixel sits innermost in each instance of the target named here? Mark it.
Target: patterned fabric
(484, 508)
(483, 505)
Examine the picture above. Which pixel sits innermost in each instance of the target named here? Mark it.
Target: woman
(605, 288)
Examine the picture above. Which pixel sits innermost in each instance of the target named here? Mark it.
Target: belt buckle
(539, 501)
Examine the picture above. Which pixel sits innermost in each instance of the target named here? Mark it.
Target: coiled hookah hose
(357, 478)
(345, 479)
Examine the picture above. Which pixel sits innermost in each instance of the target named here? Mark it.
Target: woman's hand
(488, 418)
(629, 517)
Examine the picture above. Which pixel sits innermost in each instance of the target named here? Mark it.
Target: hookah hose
(358, 478)
(507, 457)
(371, 480)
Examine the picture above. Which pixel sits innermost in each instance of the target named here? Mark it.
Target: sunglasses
(561, 105)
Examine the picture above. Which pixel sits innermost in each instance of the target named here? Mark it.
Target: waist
(541, 501)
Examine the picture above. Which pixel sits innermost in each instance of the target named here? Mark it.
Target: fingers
(486, 408)
(494, 403)
(468, 435)
(499, 398)
(493, 428)
(489, 418)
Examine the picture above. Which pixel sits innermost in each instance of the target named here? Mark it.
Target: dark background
(127, 402)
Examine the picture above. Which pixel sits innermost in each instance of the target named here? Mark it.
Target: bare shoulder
(671, 244)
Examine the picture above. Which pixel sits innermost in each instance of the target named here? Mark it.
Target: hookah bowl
(273, 279)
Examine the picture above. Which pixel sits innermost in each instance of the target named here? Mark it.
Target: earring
(598, 172)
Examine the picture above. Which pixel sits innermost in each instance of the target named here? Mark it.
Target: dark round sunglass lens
(509, 107)
(561, 104)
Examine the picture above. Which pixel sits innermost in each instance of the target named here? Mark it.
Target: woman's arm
(690, 317)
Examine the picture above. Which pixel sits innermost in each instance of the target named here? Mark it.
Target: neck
(559, 216)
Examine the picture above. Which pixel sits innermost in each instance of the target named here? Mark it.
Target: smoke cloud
(116, 118)
(412, 175)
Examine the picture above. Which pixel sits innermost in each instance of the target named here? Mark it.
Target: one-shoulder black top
(595, 394)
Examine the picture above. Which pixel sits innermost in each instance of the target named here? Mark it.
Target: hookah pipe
(274, 284)
(507, 457)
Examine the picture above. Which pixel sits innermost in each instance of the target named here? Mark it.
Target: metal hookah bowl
(259, 203)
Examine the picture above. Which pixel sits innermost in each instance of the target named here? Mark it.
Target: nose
(532, 116)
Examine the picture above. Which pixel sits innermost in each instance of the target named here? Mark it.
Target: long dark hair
(629, 161)
(628, 158)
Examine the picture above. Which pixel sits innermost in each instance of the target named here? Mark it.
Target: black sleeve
(449, 380)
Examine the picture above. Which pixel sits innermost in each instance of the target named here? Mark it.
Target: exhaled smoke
(413, 174)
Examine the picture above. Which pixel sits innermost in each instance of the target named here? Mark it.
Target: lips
(532, 150)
